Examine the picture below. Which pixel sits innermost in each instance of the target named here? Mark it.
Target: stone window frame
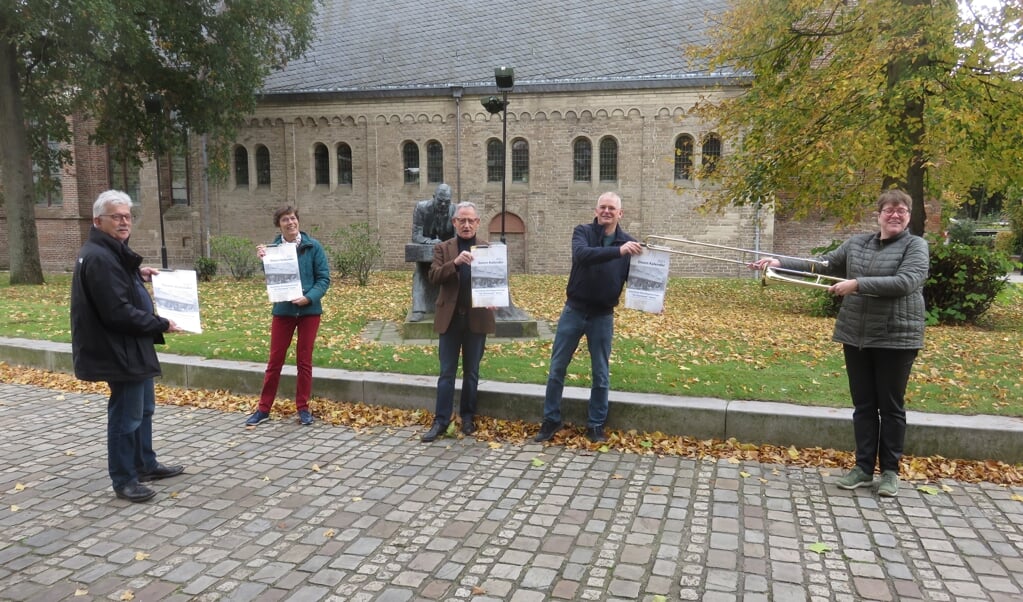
(608, 159)
(582, 160)
(520, 161)
(240, 156)
(711, 152)
(321, 165)
(410, 162)
(685, 146)
(263, 178)
(345, 175)
(434, 162)
(495, 160)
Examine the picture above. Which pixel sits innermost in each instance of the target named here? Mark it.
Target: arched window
(434, 162)
(711, 153)
(344, 164)
(46, 177)
(495, 160)
(582, 160)
(684, 157)
(241, 166)
(520, 160)
(410, 160)
(608, 159)
(321, 164)
(262, 166)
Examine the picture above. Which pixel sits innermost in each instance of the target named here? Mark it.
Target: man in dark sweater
(601, 253)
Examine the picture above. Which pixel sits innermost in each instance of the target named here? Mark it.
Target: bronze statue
(431, 224)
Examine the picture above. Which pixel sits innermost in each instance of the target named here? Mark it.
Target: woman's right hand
(260, 251)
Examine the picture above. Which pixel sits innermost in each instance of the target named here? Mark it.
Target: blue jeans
(458, 339)
(130, 430)
(599, 330)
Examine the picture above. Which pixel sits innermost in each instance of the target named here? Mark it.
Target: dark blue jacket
(113, 328)
(598, 272)
(314, 270)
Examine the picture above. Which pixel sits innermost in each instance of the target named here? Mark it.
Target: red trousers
(282, 329)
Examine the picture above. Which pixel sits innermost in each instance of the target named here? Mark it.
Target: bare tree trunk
(16, 171)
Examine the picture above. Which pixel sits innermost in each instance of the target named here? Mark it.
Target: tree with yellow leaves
(846, 98)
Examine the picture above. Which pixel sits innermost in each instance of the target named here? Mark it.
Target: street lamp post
(154, 108)
(505, 79)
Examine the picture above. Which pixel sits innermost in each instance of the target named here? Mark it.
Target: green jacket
(314, 269)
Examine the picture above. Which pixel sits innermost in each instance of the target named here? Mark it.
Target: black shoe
(596, 434)
(547, 431)
(468, 427)
(134, 492)
(160, 472)
(435, 431)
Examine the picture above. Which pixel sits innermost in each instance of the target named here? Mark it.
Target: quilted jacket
(888, 311)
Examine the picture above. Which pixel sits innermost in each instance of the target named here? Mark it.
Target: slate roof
(375, 46)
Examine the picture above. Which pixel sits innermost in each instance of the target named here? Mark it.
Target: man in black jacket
(113, 330)
(601, 253)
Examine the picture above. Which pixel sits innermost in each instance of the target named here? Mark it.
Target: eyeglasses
(901, 211)
(118, 217)
(462, 221)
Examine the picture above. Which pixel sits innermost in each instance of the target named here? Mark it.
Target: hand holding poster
(489, 270)
(176, 294)
(648, 279)
(283, 281)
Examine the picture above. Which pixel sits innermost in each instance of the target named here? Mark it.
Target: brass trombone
(797, 277)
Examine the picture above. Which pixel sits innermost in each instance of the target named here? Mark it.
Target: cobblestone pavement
(329, 513)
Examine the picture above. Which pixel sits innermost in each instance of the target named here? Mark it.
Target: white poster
(489, 270)
(176, 293)
(648, 279)
(283, 281)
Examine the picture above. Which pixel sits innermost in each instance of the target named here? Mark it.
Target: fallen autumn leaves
(361, 416)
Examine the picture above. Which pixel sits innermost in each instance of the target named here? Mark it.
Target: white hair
(108, 198)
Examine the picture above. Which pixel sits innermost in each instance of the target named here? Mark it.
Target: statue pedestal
(512, 322)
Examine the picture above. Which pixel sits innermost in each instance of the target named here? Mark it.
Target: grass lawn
(724, 338)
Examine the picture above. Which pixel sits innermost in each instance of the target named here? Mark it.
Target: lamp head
(493, 104)
(154, 104)
(505, 78)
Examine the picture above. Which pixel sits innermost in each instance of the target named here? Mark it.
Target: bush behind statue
(238, 253)
(356, 251)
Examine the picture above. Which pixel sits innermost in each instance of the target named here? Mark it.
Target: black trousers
(877, 383)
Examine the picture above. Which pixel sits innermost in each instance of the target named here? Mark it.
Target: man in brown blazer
(462, 328)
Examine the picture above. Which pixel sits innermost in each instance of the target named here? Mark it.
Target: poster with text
(176, 295)
(283, 281)
(489, 270)
(648, 280)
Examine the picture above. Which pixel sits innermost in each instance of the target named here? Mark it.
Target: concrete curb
(951, 436)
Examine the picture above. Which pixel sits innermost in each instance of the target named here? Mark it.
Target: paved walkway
(330, 513)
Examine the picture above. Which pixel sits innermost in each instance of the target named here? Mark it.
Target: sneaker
(889, 486)
(257, 417)
(547, 431)
(596, 434)
(855, 478)
(305, 417)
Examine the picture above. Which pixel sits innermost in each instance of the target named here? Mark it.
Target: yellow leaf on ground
(316, 468)
(793, 452)
(1017, 497)
(15, 507)
(81, 592)
(494, 445)
(743, 474)
(537, 462)
(356, 499)
(329, 533)
(19, 487)
(734, 460)
(128, 595)
(141, 555)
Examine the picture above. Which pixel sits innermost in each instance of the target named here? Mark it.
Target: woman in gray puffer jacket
(881, 328)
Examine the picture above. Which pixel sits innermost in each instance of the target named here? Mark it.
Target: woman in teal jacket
(301, 314)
